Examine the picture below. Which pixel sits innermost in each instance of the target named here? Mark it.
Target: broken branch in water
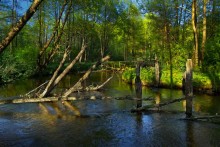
(27, 94)
(92, 88)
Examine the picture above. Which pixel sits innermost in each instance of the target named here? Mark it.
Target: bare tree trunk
(55, 73)
(46, 45)
(63, 74)
(204, 29)
(189, 88)
(85, 76)
(18, 27)
(58, 38)
(195, 33)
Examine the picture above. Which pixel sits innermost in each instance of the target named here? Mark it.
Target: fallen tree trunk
(157, 106)
(36, 100)
(19, 100)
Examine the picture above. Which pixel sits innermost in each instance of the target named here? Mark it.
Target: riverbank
(202, 82)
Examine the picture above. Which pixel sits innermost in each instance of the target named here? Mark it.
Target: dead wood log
(64, 73)
(129, 97)
(157, 106)
(84, 77)
(19, 100)
(21, 23)
(35, 100)
(92, 88)
(35, 89)
(55, 73)
(50, 99)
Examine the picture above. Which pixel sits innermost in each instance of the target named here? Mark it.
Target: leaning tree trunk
(40, 62)
(63, 74)
(85, 76)
(18, 27)
(55, 74)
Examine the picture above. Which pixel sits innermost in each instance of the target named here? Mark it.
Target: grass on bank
(201, 81)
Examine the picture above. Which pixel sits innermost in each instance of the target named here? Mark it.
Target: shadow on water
(105, 122)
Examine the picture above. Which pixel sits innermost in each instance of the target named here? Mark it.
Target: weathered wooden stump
(189, 87)
(138, 86)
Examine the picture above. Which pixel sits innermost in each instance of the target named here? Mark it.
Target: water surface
(105, 122)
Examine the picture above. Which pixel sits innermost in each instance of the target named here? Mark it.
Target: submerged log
(128, 97)
(157, 106)
(193, 118)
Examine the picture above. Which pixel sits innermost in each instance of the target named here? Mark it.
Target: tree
(204, 29)
(195, 33)
(17, 28)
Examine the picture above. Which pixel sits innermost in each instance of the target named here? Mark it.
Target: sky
(25, 5)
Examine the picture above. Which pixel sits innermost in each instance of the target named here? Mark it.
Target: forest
(127, 30)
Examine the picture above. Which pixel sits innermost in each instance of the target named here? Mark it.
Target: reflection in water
(72, 108)
(184, 105)
(157, 98)
(189, 134)
(43, 108)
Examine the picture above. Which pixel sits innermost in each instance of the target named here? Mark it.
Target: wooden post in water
(138, 86)
(157, 72)
(189, 87)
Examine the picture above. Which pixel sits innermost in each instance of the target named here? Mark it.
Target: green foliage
(201, 81)
(147, 76)
(129, 75)
(16, 66)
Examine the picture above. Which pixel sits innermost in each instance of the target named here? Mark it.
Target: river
(107, 122)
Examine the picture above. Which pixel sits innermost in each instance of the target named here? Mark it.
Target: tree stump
(189, 88)
(138, 86)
